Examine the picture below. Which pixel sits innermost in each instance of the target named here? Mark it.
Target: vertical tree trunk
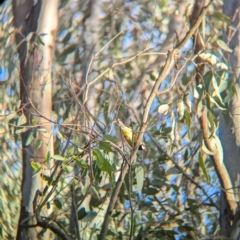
(35, 93)
(230, 134)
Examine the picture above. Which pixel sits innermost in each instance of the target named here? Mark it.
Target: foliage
(171, 191)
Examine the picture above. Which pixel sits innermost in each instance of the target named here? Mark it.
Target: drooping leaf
(38, 143)
(30, 138)
(216, 92)
(203, 167)
(59, 157)
(107, 167)
(96, 191)
(47, 157)
(57, 202)
(98, 157)
(35, 166)
(140, 178)
(81, 163)
(105, 146)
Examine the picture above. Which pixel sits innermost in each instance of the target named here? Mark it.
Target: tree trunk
(230, 133)
(35, 91)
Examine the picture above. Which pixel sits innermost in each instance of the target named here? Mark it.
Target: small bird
(129, 136)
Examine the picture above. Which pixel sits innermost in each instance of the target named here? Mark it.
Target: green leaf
(30, 138)
(67, 168)
(150, 191)
(224, 46)
(67, 37)
(38, 143)
(140, 178)
(81, 213)
(81, 163)
(63, 55)
(207, 80)
(110, 138)
(90, 216)
(203, 166)
(39, 40)
(216, 90)
(107, 167)
(47, 178)
(216, 103)
(222, 17)
(58, 157)
(96, 191)
(172, 170)
(223, 78)
(34, 121)
(35, 166)
(157, 182)
(230, 91)
(102, 163)
(187, 119)
(98, 157)
(105, 146)
(47, 157)
(211, 121)
(57, 203)
(21, 120)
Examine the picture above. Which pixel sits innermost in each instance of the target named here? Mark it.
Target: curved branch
(218, 164)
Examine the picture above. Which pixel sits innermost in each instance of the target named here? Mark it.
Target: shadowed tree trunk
(36, 93)
(229, 133)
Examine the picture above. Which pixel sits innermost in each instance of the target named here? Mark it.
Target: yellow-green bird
(129, 136)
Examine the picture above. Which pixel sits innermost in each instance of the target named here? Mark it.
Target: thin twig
(88, 85)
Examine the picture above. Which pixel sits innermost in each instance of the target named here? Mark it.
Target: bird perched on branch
(130, 136)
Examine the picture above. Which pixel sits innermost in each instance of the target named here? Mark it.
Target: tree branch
(46, 224)
(165, 71)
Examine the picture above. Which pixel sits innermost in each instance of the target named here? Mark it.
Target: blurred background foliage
(107, 57)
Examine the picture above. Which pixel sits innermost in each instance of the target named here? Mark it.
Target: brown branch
(219, 166)
(165, 71)
(46, 224)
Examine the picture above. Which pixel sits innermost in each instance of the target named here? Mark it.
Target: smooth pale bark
(35, 93)
(230, 133)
